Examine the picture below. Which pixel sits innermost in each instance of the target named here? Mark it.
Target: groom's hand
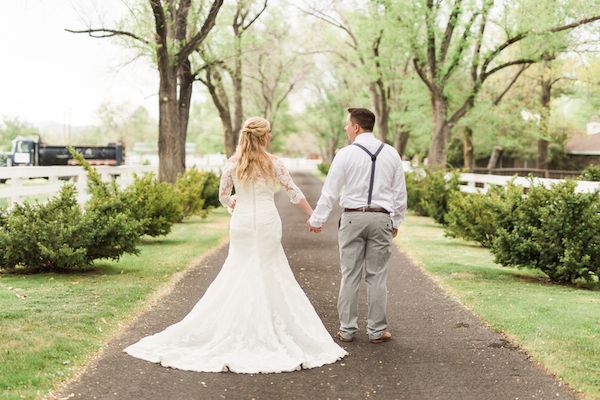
(394, 232)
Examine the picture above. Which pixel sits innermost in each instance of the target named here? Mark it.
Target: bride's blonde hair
(253, 159)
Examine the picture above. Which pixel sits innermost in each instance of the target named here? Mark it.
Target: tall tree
(377, 56)
(180, 28)
(221, 62)
(453, 35)
(275, 66)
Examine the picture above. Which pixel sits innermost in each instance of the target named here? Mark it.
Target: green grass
(558, 325)
(66, 318)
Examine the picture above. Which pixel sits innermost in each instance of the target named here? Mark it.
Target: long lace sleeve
(284, 178)
(226, 185)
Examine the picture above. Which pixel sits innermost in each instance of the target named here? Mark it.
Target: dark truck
(33, 152)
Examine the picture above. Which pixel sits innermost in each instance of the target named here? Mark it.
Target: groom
(374, 200)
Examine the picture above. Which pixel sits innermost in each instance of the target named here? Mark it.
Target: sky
(50, 75)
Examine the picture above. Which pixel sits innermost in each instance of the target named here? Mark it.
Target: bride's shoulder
(274, 158)
(233, 160)
(230, 163)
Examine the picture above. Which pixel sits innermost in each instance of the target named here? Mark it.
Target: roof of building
(584, 144)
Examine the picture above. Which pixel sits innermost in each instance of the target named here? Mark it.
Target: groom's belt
(367, 209)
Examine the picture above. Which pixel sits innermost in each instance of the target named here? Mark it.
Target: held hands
(313, 228)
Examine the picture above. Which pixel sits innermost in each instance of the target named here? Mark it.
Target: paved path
(440, 350)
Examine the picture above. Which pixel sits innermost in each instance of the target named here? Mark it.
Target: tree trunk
(170, 155)
(401, 140)
(382, 112)
(238, 112)
(496, 153)
(436, 158)
(468, 149)
(542, 156)
(186, 81)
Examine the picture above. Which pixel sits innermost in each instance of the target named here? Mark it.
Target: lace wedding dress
(254, 317)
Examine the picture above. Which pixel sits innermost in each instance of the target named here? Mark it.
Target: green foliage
(554, 230)
(436, 190)
(429, 192)
(10, 128)
(210, 191)
(415, 189)
(47, 236)
(324, 167)
(475, 216)
(155, 204)
(58, 235)
(591, 173)
(198, 191)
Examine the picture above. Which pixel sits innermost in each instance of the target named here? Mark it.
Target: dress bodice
(260, 191)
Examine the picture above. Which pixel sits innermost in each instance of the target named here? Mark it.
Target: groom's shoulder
(392, 151)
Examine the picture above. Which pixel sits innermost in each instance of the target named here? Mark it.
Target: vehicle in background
(30, 151)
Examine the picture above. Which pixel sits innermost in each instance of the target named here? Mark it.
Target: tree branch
(108, 33)
(431, 59)
(244, 27)
(421, 74)
(461, 48)
(523, 35)
(487, 5)
(486, 74)
(209, 23)
(450, 30)
(512, 82)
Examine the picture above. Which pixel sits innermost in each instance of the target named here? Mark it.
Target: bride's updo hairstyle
(253, 159)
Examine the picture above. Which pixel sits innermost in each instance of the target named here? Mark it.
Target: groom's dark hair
(363, 117)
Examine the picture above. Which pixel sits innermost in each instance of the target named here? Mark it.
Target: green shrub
(415, 188)
(324, 167)
(554, 230)
(436, 190)
(155, 204)
(115, 230)
(45, 237)
(475, 216)
(591, 173)
(198, 191)
(210, 192)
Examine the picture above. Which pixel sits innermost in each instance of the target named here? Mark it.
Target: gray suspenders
(373, 159)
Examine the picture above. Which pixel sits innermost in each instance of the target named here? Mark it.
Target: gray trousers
(365, 244)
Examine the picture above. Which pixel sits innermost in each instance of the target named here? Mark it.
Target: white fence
(479, 183)
(19, 184)
(23, 182)
(49, 180)
(215, 162)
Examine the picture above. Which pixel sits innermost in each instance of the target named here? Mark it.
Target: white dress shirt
(350, 174)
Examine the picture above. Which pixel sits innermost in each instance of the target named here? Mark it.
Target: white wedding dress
(254, 317)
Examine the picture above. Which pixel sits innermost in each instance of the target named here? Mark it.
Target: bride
(254, 317)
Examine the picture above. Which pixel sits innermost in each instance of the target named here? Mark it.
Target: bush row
(554, 230)
(59, 235)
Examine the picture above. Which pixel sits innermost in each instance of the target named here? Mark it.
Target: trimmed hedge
(591, 173)
(428, 194)
(198, 192)
(61, 236)
(554, 230)
(474, 216)
(324, 167)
